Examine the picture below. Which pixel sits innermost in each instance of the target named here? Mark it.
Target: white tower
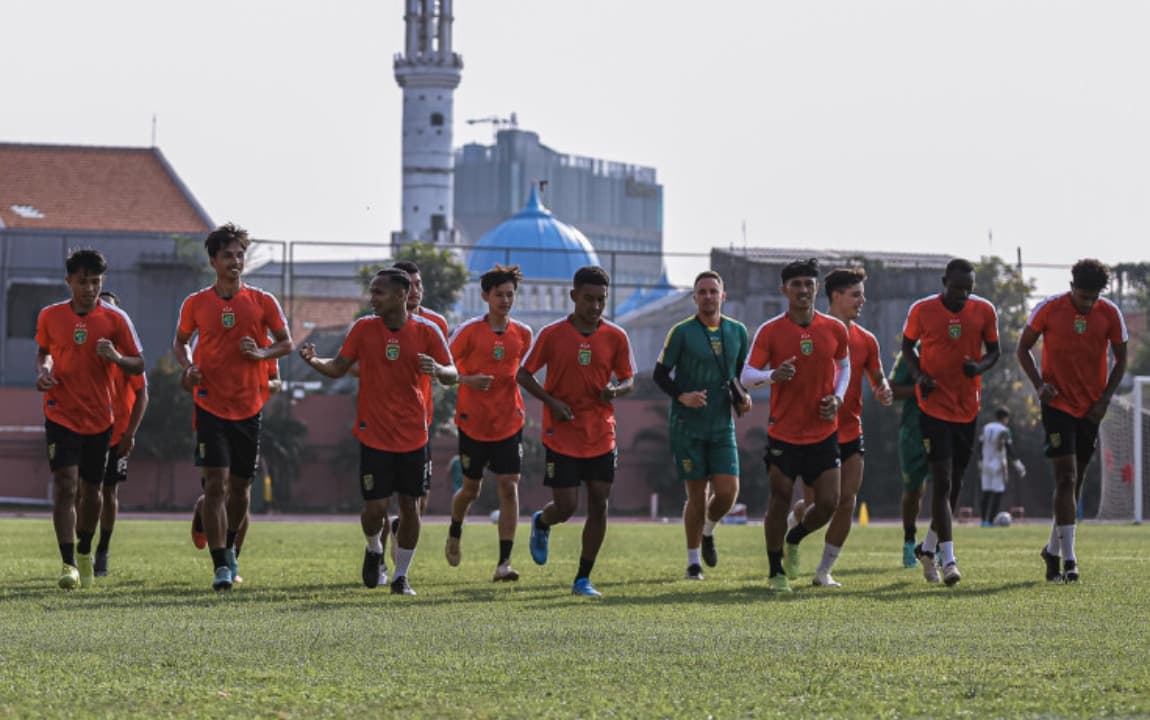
(428, 71)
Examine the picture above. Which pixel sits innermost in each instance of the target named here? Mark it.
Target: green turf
(302, 638)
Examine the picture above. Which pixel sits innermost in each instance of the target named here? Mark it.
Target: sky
(965, 128)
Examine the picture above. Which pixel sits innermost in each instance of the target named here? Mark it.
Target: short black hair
(1090, 275)
(591, 275)
(500, 274)
(1001, 413)
(86, 259)
(708, 274)
(225, 235)
(801, 268)
(958, 265)
(407, 266)
(842, 279)
(395, 277)
(111, 295)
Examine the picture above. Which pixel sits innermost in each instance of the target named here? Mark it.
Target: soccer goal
(1125, 456)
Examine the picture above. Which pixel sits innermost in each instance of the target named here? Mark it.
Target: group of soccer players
(230, 335)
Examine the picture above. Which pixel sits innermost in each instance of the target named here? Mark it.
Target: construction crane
(497, 123)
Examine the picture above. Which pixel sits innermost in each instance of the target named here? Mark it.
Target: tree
(442, 272)
(166, 434)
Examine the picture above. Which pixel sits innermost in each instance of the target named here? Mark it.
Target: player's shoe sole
(372, 563)
(505, 573)
(708, 551)
(69, 578)
(791, 560)
(540, 540)
(584, 588)
(452, 551)
(1053, 562)
(87, 571)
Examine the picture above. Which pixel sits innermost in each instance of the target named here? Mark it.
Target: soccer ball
(1003, 519)
(494, 517)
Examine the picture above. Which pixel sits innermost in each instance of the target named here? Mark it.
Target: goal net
(1123, 443)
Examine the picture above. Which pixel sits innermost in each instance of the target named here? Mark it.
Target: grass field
(302, 638)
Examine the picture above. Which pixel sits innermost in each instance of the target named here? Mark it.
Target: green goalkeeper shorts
(912, 458)
(699, 457)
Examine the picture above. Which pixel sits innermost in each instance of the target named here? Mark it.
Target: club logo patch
(717, 346)
(465, 461)
(498, 352)
(584, 356)
(368, 482)
(228, 319)
(51, 451)
(926, 445)
(807, 346)
(776, 452)
(203, 450)
(1080, 325)
(1056, 440)
(392, 352)
(551, 471)
(687, 465)
(955, 329)
(80, 336)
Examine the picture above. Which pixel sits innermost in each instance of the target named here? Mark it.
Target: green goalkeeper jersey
(705, 358)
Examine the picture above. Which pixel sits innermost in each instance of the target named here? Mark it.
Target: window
(436, 119)
(25, 298)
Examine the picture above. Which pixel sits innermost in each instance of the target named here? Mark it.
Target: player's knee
(597, 506)
(508, 489)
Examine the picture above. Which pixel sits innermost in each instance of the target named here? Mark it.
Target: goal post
(1123, 448)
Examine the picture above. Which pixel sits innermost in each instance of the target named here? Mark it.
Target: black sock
(105, 540)
(84, 546)
(776, 562)
(231, 541)
(395, 526)
(218, 559)
(505, 550)
(456, 529)
(797, 533)
(585, 566)
(908, 533)
(68, 553)
(540, 523)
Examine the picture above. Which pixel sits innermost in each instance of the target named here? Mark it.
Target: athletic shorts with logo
(804, 461)
(699, 455)
(67, 448)
(564, 471)
(504, 457)
(1066, 435)
(945, 440)
(912, 458)
(234, 444)
(851, 447)
(382, 473)
(116, 470)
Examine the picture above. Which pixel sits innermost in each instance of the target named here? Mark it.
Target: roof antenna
(153, 129)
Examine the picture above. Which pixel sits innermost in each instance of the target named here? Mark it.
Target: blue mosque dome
(543, 247)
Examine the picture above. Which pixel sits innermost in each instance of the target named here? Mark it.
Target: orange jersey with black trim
(441, 323)
(949, 339)
(126, 389)
(1074, 349)
(497, 413)
(816, 349)
(233, 387)
(579, 367)
(82, 399)
(389, 408)
(865, 359)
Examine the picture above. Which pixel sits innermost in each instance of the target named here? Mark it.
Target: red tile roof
(95, 188)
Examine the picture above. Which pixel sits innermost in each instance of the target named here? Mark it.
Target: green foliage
(1133, 283)
(283, 446)
(166, 432)
(443, 274)
(303, 638)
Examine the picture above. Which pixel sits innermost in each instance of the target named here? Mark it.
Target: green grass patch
(303, 639)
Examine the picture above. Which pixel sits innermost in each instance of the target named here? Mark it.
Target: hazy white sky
(913, 125)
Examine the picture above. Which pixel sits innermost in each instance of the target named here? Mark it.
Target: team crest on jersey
(498, 352)
(807, 346)
(1080, 325)
(955, 329)
(392, 352)
(585, 355)
(80, 335)
(228, 319)
(465, 461)
(551, 471)
(717, 346)
(368, 482)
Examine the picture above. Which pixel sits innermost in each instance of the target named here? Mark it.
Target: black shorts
(944, 440)
(67, 448)
(116, 470)
(382, 473)
(805, 461)
(234, 444)
(1066, 434)
(564, 471)
(504, 457)
(852, 447)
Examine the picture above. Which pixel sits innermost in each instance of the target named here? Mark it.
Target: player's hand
(884, 394)
(1098, 411)
(106, 350)
(744, 408)
(45, 381)
(561, 410)
(784, 372)
(427, 364)
(191, 377)
(125, 446)
(1046, 393)
(970, 367)
(829, 407)
(307, 352)
(479, 382)
(250, 349)
(926, 383)
(1019, 468)
(694, 399)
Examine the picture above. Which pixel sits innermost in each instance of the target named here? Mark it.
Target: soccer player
(846, 291)
(953, 327)
(82, 345)
(706, 352)
(996, 450)
(581, 352)
(911, 457)
(1076, 328)
(488, 351)
(394, 350)
(130, 400)
(803, 354)
(229, 378)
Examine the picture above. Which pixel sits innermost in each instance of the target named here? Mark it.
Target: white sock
(930, 542)
(693, 557)
(1053, 546)
(403, 560)
(947, 550)
(373, 542)
(1066, 541)
(708, 526)
(830, 554)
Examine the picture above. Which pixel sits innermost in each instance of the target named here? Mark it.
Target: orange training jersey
(864, 359)
(948, 339)
(389, 408)
(127, 388)
(1074, 357)
(816, 349)
(578, 368)
(82, 399)
(233, 387)
(497, 413)
(441, 323)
